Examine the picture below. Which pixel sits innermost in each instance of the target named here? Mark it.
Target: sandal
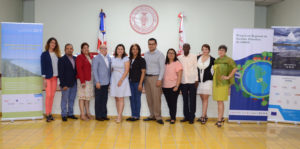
(223, 120)
(204, 120)
(119, 119)
(199, 120)
(84, 118)
(219, 123)
(89, 116)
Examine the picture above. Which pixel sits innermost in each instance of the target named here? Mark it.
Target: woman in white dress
(205, 76)
(119, 87)
(85, 89)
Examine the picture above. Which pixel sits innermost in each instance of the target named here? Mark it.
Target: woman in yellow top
(224, 69)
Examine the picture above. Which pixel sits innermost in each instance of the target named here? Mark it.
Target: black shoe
(134, 119)
(73, 117)
(191, 122)
(48, 119)
(168, 120)
(172, 121)
(160, 121)
(204, 120)
(51, 117)
(105, 118)
(219, 124)
(199, 120)
(149, 119)
(99, 119)
(223, 119)
(130, 119)
(64, 119)
(184, 120)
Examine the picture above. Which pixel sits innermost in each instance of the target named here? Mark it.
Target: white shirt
(54, 61)
(105, 59)
(203, 65)
(190, 71)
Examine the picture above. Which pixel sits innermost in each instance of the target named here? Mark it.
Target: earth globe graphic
(256, 79)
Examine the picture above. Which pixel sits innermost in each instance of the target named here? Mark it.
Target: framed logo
(143, 19)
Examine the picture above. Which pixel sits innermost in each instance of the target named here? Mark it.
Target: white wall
(260, 20)
(207, 21)
(10, 11)
(285, 13)
(28, 10)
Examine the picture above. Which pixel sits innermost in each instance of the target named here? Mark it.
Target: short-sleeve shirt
(170, 75)
(135, 71)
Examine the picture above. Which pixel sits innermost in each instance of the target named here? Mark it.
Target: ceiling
(267, 2)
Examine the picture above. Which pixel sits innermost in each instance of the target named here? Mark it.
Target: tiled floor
(76, 134)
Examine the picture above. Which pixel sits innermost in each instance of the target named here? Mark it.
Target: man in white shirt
(189, 83)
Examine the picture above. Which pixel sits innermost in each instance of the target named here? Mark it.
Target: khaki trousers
(153, 95)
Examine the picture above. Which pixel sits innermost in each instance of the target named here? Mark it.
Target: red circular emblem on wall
(143, 19)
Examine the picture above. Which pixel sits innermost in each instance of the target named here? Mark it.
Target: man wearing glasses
(155, 67)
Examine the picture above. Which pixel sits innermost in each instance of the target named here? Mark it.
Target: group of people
(87, 76)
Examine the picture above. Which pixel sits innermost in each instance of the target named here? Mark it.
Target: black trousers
(101, 96)
(171, 98)
(189, 100)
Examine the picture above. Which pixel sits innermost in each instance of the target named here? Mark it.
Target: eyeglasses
(171, 53)
(151, 44)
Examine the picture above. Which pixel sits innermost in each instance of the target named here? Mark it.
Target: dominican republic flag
(181, 33)
(101, 37)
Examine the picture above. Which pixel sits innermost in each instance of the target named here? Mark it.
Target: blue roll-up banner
(21, 47)
(252, 52)
(284, 105)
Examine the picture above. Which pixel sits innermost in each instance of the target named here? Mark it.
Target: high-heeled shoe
(219, 124)
(222, 119)
(84, 118)
(118, 120)
(89, 116)
(204, 120)
(51, 117)
(48, 119)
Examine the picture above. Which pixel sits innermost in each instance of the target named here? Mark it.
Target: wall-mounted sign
(143, 19)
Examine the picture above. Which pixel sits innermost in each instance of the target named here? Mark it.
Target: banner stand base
(245, 121)
(284, 122)
(22, 118)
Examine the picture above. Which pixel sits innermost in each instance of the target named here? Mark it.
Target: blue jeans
(135, 99)
(67, 98)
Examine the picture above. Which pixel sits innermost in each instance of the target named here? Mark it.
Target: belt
(151, 75)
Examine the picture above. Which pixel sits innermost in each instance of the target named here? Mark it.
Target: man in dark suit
(67, 78)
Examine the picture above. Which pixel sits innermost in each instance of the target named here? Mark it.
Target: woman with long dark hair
(49, 66)
(137, 73)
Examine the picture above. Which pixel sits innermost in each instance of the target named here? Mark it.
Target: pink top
(170, 75)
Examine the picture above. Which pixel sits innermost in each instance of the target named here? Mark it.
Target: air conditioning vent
(267, 2)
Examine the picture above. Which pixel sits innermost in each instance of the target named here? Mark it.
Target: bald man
(101, 73)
